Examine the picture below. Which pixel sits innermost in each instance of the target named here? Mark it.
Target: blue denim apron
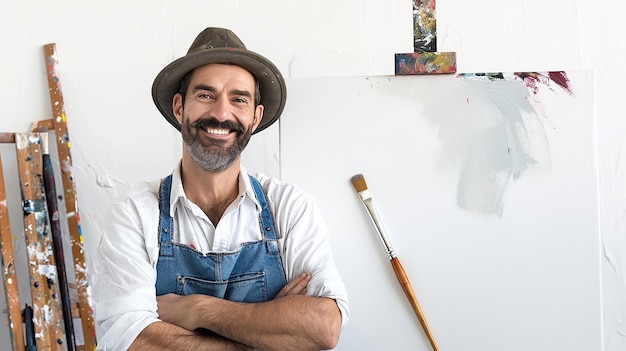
(253, 273)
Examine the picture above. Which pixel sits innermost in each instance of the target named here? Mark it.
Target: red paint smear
(561, 79)
(558, 77)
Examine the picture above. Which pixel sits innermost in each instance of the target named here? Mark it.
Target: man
(211, 258)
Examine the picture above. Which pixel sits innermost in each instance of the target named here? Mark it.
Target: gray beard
(213, 158)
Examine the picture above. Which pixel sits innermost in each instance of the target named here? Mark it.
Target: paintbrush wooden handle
(403, 279)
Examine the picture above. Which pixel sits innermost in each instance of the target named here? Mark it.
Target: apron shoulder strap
(165, 220)
(265, 218)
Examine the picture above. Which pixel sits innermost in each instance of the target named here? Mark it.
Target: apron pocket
(244, 287)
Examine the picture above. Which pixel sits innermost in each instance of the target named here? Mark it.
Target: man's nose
(221, 109)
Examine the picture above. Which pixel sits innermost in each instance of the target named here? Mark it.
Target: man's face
(218, 115)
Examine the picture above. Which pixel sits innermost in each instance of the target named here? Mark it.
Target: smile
(217, 131)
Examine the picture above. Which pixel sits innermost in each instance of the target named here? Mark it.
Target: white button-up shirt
(124, 284)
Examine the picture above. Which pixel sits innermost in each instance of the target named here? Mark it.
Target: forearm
(295, 322)
(165, 336)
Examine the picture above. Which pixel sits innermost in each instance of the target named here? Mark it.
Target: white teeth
(217, 131)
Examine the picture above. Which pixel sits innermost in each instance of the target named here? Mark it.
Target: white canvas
(514, 272)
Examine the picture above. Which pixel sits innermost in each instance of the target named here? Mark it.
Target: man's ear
(258, 116)
(177, 107)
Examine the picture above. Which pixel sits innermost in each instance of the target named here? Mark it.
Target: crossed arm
(292, 321)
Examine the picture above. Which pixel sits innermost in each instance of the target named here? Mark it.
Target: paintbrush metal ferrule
(359, 184)
(382, 234)
(43, 135)
(365, 195)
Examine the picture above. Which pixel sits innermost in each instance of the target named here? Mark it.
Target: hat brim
(271, 83)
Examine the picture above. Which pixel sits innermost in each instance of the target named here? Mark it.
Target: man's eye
(204, 96)
(240, 100)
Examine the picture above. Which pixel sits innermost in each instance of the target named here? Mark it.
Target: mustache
(205, 123)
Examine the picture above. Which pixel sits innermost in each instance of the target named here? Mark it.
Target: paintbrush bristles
(358, 182)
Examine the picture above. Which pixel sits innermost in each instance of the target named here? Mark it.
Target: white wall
(109, 53)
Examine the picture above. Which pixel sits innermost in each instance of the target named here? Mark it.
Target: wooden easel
(46, 311)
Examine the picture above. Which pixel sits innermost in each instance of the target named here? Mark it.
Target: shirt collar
(245, 187)
(246, 192)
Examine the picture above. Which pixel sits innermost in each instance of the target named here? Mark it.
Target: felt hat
(220, 45)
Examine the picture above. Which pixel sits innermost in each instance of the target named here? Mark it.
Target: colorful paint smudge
(530, 79)
(497, 137)
(426, 63)
(424, 26)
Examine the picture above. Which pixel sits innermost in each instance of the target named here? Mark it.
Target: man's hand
(177, 309)
(295, 287)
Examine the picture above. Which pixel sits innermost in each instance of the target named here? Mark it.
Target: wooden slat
(46, 309)
(58, 123)
(7, 138)
(7, 261)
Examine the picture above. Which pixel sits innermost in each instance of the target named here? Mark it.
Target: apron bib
(253, 273)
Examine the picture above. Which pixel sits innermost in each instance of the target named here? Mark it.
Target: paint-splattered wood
(8, 269)
(46, 309)
(424, 26)
(58, 124)
(425, 59)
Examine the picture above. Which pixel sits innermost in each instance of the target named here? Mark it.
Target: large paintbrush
(57, 239)
(359, 184)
